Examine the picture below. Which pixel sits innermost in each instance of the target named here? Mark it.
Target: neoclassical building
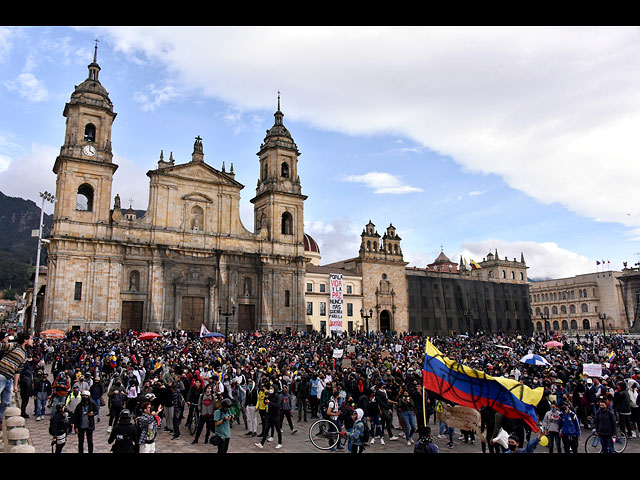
(189, 259)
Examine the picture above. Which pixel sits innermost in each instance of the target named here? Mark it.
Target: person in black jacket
(84, 421)
(604, 423)
(42, 390)
(59, 427)
(124, 435)
(273, 418)
(26, 387)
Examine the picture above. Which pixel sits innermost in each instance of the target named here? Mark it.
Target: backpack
(366, 432)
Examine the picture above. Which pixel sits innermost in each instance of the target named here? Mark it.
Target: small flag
(597, 262)
(203, 331)
(474, 265)
(611, 356)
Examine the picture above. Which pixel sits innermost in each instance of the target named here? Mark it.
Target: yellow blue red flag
(472, 388)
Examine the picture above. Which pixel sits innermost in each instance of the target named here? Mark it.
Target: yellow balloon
(544, 441)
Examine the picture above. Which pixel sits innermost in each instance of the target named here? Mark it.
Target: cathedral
(188, 261)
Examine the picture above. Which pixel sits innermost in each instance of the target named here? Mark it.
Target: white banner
(335, 302)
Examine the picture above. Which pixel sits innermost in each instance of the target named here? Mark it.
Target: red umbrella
(148, 335)
(552, 344)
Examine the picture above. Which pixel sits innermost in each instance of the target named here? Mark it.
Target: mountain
(18, 249)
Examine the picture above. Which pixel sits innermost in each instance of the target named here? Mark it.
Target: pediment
(199, 171)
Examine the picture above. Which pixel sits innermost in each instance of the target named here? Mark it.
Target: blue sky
(522, 139)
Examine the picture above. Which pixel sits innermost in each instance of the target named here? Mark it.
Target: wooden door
(246, 317)
(192, 317)
(132, 316)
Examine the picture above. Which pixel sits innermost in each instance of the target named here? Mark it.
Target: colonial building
(188, 260)
(630, 291)
(579, 304)
(501, 270)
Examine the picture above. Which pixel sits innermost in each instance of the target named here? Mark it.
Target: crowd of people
(264, 382)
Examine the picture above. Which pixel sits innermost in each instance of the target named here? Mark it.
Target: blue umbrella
(212, 334)
(533, 359)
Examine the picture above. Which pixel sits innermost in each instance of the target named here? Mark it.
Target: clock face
(89, 150)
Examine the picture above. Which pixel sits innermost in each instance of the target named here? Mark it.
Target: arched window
(368, 245)
(247, 287)
(538, 311)
(554, 310)
(539, 326)
(134, 281)
(284, 170)
(565, 325)
(84, 198)
(490, 273)
(197, 218)
(572, 308)
(513, 275)
(585, 308)
(395, 250)
(264, 171)
(90, 132)
(564, 295)
(375, 246)
(556, 326)
(563, 309)
(585, 324)
(521, 276)
(287, 224)
(504, 274)
(546, 311)
(585, 293)
(574, 325)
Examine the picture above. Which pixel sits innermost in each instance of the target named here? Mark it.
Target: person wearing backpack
(124, 435)
(148, 424)
(360, 434)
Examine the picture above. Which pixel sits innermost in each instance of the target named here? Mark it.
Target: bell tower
(84, 167)
(278, 204)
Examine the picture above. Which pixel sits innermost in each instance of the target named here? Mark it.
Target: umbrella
(552, 344)
(52, 334)
(533, 359)
(212, 334)
(148, 335)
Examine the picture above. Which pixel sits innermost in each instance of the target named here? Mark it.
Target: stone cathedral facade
(188, 260)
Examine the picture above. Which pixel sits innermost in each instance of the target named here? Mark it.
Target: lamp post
(48, 197)
(226, 320)
(366, 317)
(603, 317)
(545, 319)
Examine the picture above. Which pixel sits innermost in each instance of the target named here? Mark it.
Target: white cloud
(545, 260)
(382, 182)
(553, 111)
(30, 174)
(337, 239)
(28, 87)
(154, 96)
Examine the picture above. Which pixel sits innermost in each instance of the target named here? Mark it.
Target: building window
(572, 309)
(84, 198)
(309, 308)
(521, 276)
(309, 287)
(513, 275)
(287, 298)
(77, 294)
(585, 308)
(247, 287)
(349, 289)
(197, 218)
(287, 224)
(323, 288)
(349, 309)
(284, 170)
(323, 309)
(554, 310)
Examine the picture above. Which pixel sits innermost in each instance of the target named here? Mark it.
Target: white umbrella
(533, 359)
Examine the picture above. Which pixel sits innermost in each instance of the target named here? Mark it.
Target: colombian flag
(474, 265)
(472, 388)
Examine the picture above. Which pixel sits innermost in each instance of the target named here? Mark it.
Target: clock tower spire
(85, 165)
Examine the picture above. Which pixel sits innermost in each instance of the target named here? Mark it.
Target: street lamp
(366, 317)
(46, 196)
(602, 317)
(226, 320)
(545, 319)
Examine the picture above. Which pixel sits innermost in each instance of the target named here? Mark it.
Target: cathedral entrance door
(132, 316)
(246, 317)
(385, 321)
(192, 317)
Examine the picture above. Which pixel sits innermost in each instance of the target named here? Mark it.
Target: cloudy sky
(465, 139)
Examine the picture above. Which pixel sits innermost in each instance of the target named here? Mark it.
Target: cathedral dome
(310, 245)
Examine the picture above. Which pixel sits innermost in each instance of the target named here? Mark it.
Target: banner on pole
(335, 302)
